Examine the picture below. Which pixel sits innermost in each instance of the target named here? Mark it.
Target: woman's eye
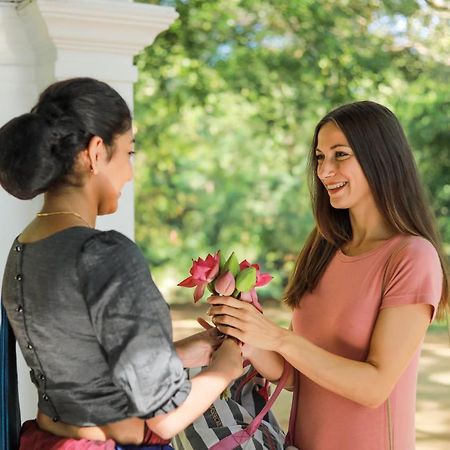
(341, 155)
(319, 156)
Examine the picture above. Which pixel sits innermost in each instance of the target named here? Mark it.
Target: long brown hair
(380, 145)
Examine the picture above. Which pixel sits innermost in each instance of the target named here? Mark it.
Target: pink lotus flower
(251, 297)
(261, 280)
(229, 279)
(202, 272)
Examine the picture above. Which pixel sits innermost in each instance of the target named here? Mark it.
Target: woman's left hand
(196, 350)
(244, 322)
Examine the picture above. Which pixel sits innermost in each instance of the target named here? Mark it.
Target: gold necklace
(56, 213)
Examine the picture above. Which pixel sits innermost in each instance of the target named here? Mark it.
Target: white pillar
(43, 41)
(96, 38)
(18, 93)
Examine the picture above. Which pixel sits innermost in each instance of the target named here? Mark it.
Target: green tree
(226, 103)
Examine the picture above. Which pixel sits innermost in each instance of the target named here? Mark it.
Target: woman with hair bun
(369, 280)
(91, 324)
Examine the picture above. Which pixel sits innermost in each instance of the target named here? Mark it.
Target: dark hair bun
(38, 150)
(28, 156)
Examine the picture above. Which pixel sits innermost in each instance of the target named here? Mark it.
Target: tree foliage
(227, 100)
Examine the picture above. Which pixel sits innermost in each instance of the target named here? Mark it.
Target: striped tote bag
(243, 421)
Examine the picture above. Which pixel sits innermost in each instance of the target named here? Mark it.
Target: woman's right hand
(228, 358)
(244, 322)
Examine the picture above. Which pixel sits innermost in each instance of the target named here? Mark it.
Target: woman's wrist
(281, 340)
(179, 348)
(228, 360)
(222, 370)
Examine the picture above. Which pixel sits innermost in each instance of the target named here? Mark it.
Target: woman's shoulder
(110, 248)
(413, 274)
(414, 255)
(108, 239)
(412, 246)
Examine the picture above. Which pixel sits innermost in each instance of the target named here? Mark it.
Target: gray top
(93, 328)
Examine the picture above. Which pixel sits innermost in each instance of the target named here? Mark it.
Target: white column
(18, 93)
(96, 38)
(43, 41)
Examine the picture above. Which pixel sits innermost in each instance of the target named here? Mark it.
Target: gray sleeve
(132, 324)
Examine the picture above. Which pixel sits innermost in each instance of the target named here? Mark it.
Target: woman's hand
(228, 359)
(196, 350)
(243, 321)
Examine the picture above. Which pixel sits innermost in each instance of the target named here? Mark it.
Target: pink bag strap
(294, 409)
(252, 374)
(242, 436)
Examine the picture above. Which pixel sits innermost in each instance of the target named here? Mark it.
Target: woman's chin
(339, 203)
(104, 210)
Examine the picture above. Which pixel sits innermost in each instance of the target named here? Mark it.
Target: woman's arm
(396, 337)
(269, 364)
(225, 366)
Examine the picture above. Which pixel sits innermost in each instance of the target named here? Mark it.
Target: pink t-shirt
(339, 316)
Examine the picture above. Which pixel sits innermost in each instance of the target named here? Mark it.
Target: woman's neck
(369, 227)
(71, 200)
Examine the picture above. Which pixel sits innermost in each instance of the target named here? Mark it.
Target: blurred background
(226, 104)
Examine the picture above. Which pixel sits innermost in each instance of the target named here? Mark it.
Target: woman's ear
(96, 153)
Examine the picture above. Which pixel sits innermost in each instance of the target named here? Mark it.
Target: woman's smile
(335, 188)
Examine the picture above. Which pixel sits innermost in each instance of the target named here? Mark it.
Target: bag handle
(242, 436)
(294, 409)
(252, 374)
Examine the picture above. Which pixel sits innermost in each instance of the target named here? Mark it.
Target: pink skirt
(33, 438)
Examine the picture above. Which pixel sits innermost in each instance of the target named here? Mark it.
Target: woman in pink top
(368, 281)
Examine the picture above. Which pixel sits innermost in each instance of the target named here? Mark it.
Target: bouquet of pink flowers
(231, 278)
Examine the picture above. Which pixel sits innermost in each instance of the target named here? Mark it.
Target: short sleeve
(414, 275)
(132, 323)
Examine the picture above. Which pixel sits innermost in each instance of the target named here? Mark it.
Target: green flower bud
(246, 279)
(232, 265)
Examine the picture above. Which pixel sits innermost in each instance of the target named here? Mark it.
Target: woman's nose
(326, 169)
